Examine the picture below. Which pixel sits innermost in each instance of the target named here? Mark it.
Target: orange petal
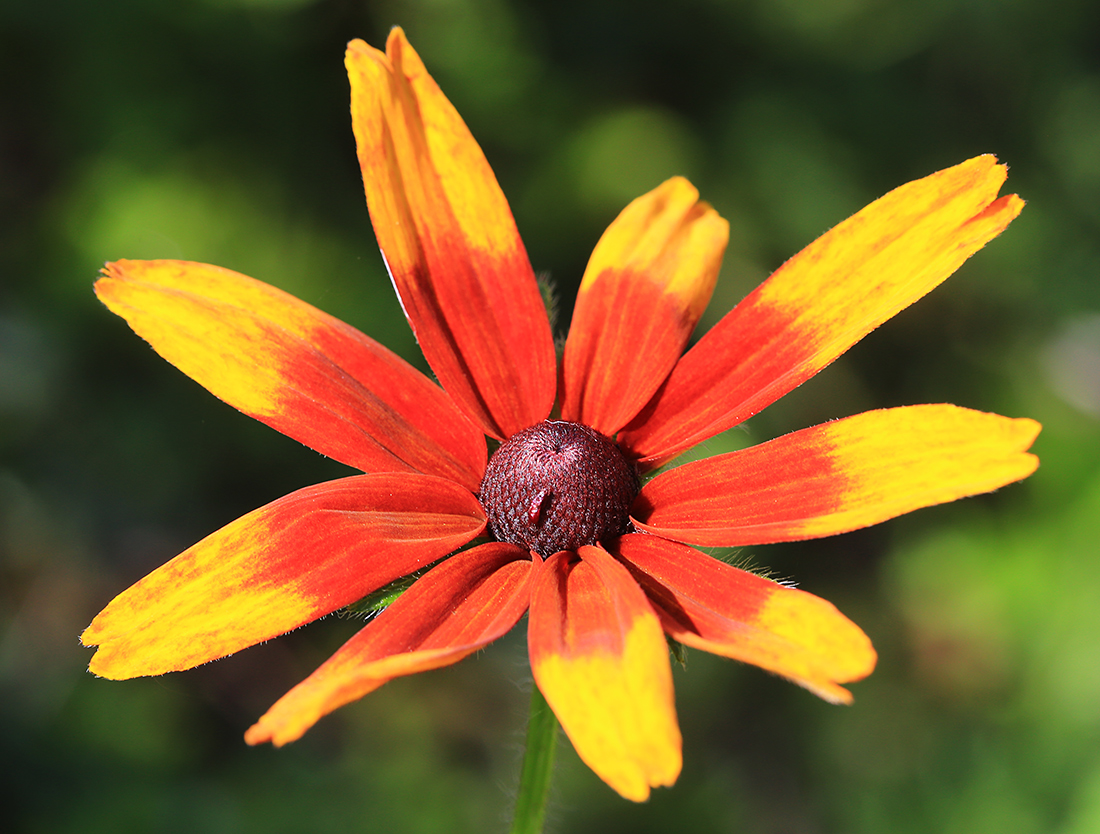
(648, 281)
(821, 302)
(285, 564)
(838, 476)
(599, 657)
(715, 607)
(458, 607)
(450, 242)
(295, 368)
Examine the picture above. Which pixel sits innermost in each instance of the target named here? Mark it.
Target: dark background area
(218, 131)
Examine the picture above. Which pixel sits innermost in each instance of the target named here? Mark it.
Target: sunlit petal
(838, 476)
(821, 302)
(450, 242)
(295, 368)
(647, 282)
(712, 606)
(599, 656)
(285, 564)
(459, 606)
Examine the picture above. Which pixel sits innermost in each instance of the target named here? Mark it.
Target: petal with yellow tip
(715, 607)
(599, 656)
(647, 283)
(838, 476)
(459, 606)
(450, 242)
(288, 563)
(821, 302)
(295, 368)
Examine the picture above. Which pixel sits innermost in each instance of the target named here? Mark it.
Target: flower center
(557, 486)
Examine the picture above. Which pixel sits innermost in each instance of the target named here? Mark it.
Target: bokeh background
(218, 130)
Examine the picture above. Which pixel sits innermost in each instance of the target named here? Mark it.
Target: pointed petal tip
(1010, 205)
(89, 637)
(256, 734)
(115, 665)
(983, 167)
(1029, 430)
(355, 45)
(105, 663)
(263, 732)
(109, 271)
(830, 693)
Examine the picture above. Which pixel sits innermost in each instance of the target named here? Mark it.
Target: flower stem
(538, 766)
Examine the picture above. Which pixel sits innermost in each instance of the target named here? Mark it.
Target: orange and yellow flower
(598, 611)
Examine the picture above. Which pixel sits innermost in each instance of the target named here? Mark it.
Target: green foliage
(375, 603)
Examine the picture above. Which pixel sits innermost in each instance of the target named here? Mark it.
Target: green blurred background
(218, 130)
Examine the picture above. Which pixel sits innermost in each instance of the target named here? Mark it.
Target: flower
(630, 398)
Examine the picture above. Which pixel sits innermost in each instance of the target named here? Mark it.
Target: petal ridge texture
(646, 285)
(600, 657)
(298, 370)
(709, 605)
(281, 566)
(450, 242)
(838, 476)
(459, 606)
(821, 302)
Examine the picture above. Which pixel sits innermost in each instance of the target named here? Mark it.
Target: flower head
(602, 562)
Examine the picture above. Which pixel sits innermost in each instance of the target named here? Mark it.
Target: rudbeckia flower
(560, 522)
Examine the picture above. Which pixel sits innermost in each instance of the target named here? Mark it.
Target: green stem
(538, 766)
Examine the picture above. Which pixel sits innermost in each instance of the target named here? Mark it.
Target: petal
(295, 368)
(715, 607)
(648, 281)
(600, 658)
(450, 242)
(456, 608)
(283, 565)
(821, 302)
(838, 476)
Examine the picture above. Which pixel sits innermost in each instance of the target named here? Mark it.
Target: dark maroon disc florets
(557, 486)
